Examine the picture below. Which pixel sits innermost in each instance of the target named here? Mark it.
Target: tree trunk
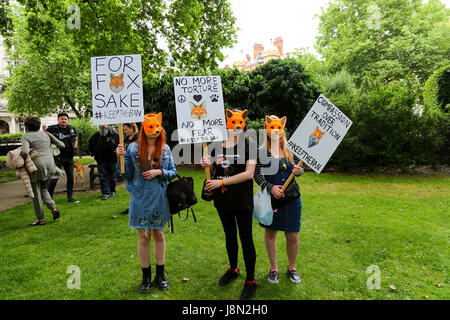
(72, 106)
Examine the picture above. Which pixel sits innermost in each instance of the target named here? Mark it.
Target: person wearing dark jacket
(68, 135)
(102, 146)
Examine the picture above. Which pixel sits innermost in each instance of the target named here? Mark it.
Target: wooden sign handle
(205, 154)
(291, 177)
(121, 157)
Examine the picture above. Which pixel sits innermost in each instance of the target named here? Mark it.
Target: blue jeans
(107, 173)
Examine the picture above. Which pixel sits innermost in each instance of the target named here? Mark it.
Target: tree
(283, 88)
(55, 40)
(437, 91)
(386, 39)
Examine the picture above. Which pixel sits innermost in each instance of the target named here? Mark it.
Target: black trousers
(67, 164)
(233, 220)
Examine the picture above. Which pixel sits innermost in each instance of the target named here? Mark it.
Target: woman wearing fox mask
(233, 164)
(148, 165)
(275, 165)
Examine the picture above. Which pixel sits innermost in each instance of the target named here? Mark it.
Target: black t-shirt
(228, 163)
(66, 135)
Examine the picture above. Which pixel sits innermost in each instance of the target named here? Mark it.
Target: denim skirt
(287, 218)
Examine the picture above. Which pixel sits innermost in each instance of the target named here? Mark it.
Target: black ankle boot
(160, 280)
(146, 280)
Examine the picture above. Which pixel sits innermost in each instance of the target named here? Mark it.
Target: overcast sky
(260, 21)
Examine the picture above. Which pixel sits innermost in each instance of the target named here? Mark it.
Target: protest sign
(319, 134)
(200, 109)
(117, 95)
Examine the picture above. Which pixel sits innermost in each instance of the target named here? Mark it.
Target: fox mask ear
(229, 113)
(244, 114)
(112, 76)
(268, 120)
(159, 117)
(147, 118)
(283, 120)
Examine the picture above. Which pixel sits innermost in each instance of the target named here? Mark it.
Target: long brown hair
(287, 154)
(143, 149)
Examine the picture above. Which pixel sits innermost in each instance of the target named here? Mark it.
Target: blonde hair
(287, 154)
(133, 126)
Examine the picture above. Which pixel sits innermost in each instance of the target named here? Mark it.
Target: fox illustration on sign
(315, 137)
(198, 111)
(116, 84)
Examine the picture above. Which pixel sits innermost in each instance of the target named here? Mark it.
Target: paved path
(13, 193)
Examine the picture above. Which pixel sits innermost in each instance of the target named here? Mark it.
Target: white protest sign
(319, 134)
(117, 95)
(200, 109)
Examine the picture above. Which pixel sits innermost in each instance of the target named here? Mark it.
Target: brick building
(261, 56)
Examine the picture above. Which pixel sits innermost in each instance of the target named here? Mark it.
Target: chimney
(257, 48)
(279, 44)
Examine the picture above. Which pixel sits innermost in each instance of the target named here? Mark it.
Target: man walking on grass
(68, 135)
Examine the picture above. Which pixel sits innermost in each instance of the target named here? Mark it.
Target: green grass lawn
(84, 161)
(6, 176)
(400, 224)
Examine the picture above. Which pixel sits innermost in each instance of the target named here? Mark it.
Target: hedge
(437, 90)
(11, 137)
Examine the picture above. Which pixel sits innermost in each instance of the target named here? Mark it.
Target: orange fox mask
(236, 120)
(275, 125)
(116, 84)
(152, 125)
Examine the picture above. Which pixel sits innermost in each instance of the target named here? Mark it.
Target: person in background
(41, 141)
(131, 135)
(68, 135)
(102, 146)
(148, 166)
(274, 153)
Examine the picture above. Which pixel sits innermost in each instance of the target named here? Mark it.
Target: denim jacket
(133, 170)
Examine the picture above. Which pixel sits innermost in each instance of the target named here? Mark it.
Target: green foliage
(11, 137)
(385, 39)
(84, 127)
(437, 91)
(339, 83)
(311, 63)
(256, 124)
(387, 132)
(54, 73)
(282, 88)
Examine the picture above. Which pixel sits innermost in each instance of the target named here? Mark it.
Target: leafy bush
(11, 137)
(339, 83)
(437, 90)
(387, 132)
(86, 129)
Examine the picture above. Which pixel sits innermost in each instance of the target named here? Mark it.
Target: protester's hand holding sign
(206, 162)
(297, 170)
(277, 192)
(120, 150)
(210, 185)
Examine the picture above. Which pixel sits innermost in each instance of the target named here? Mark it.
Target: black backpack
(181, 196)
